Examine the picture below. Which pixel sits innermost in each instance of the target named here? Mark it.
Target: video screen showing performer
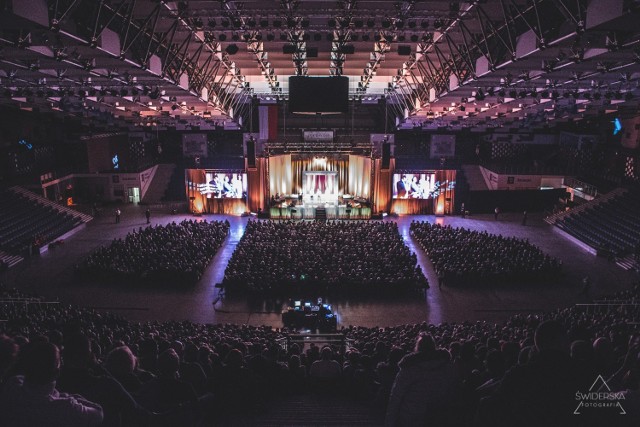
(225, 186)
(414, 185)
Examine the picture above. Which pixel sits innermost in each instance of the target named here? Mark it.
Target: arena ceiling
(478, 64)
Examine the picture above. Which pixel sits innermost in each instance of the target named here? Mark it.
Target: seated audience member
(121, 364)
(326, 368)
(32, 400)
(426, 390)
(82, 375)
(167, 391)
(538, 392)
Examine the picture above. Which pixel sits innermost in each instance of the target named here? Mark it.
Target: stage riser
(310, 213)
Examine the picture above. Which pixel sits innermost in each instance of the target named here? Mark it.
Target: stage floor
(51, 275)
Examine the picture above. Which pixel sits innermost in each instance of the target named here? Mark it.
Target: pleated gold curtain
(299, 165)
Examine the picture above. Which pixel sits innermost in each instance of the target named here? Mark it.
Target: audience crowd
(274, 257)
(465, 257)
(61, 365)
(175, 253)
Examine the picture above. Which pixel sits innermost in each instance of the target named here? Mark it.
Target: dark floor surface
(51, 275)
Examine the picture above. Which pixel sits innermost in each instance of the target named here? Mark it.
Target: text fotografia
(600, 399)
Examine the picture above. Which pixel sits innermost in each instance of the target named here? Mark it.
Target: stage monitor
(222, 185)
(322, 95)
(415, 185)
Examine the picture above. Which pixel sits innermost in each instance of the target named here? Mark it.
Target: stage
(320, 186)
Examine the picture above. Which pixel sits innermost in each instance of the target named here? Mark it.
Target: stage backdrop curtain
(257, 185)
(280, 175)
(382, 186)
(359, 176)
(307, 164)
(445, 200)
(412, 206)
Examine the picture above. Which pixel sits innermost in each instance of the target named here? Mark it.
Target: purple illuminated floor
(51, 275)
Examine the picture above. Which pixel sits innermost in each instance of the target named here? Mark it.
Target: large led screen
(415, 185)
(221, 185)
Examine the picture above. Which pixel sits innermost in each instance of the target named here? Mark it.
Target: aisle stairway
(321, 214)
(159, 185)
(474, 178)
(10, 260)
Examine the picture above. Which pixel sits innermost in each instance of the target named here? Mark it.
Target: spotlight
(198, 23)
(222, 37)
(306, 37)
(628, 96)
(235, 37)
(412, 24)
(365, 37)
(359, 23)
(264, 23)
(277, 23)
(212, 23)
(354, 37)
(331, 23)
(424, 24)
(401, 38)
(414, 38)
(317, 37)
(283, 37)
(437, 24)
(225, 23)
(124, 92)
(329, 37)
(232, 49)
(371, 23)
(291, 23)
(377, 37)
(386, 23)
(304, 23)
(271, 37)
(251, 22)
(513, 93)
(501, 93)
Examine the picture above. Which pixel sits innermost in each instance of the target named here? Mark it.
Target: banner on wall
(194, 144)
(318, 136)
(443, 146)
(268, 120)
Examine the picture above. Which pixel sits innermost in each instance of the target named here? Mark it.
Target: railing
(552, 219)
(608, 306)
(521, 169)
(303, 339)
(44, 201)
(582, 186)
(26, 302)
